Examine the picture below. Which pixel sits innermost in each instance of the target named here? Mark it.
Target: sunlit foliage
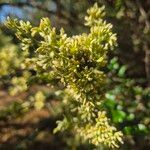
(76, 64)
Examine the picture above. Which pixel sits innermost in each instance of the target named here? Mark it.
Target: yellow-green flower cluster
(19, 84)
(76, 63)
(101, 132)
(9, 56)
(39, 100)
(10, 64)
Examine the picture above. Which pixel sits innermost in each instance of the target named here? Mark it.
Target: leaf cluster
(77, 63)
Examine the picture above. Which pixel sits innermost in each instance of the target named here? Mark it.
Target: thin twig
(145, 45)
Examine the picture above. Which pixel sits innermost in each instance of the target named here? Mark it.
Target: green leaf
(118, 116)
(121, 72)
